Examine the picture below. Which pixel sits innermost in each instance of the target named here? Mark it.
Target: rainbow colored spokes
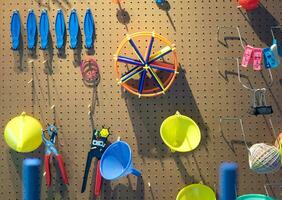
(159, 54)
(136, 51)
(142, 82)
(128, 60)
(131, 73)
(163, 66)
(149, 65)
(149, 48)
(156, 79)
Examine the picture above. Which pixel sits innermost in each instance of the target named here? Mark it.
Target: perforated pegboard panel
(199, 92)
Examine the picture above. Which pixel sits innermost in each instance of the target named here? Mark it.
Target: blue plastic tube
(31, 179)
(228, 181)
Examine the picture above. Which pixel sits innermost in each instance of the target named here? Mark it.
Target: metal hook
(269, 85)
(241, 125)
(238, 71)
(274, 132)
(228, 27)
(270, 184)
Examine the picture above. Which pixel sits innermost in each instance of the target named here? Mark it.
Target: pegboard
(199, 92)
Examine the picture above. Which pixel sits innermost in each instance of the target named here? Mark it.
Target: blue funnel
(116, 162)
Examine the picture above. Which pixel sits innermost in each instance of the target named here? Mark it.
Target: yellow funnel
(196, 192)
(23, 133)
(180, 133)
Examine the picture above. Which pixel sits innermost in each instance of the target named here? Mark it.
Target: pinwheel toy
(146, 75)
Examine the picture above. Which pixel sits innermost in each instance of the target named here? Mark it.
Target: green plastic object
(254, 197)
(180, 133)
(196, 192)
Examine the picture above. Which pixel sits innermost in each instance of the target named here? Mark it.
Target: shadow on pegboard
(123, 16)
(148, 114)
(57, 190)
(272, 94)
(44, 4)
(124, 191)
(19, 56)
(77, 51)
(166, 7)
(261, 20)
(62, 51)
(17, 160)
(48, 55)
(64, 4)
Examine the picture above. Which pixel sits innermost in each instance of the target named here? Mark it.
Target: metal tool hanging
(51, 150)
(98, 146)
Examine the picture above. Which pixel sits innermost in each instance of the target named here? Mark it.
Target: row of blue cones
(44, 29)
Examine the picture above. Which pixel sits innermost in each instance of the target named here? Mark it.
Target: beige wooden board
(198, 92)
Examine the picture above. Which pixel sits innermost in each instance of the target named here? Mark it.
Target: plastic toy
(228, 181)
(60, 28)
(116, 162)
(180, 133)
(270, 59)
(31, 183)
(15, 28)
(247, 57)
(98, 146)
(90, 71)
(249, 4)
(155, 74)
(196, 192)
(31, 29)
(51, 150)
(160, 1)
(274, 49)
(254, 197)
(73, 28)
(44, 29)
(23, 133)
(89, 29)
(254, 56)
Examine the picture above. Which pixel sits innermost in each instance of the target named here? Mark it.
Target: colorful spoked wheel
(149, 74)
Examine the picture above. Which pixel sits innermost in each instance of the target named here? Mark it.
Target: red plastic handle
(62, 169)
(47, 170)
(98, 182)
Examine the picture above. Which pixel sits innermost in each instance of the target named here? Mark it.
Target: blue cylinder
(228, 181)
(31, 179)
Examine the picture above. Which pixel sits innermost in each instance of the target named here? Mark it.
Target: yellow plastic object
(104, 132)
(23, 133)
(180, 133)
(196, 192)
